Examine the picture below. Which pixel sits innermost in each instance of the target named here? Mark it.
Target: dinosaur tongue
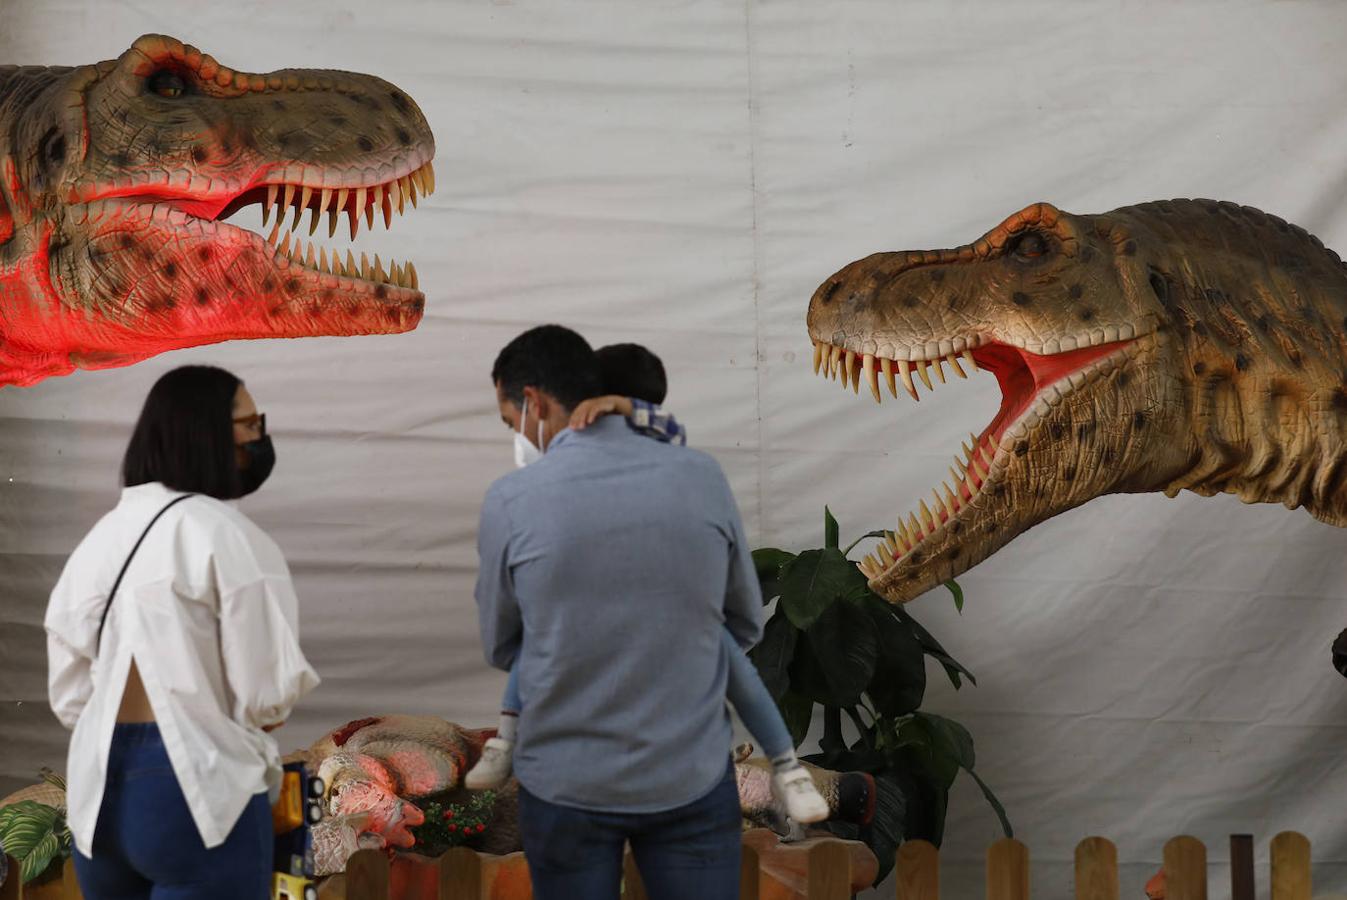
(1023, 375)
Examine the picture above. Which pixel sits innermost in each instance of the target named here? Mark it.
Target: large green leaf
(899, 682)
(953, 668)
(845, 645)
(952, 738)
(767, 562)
(831, 531)
(773, 654)
(812, 582)
(798, 712)
(39, 858)
(25, 824)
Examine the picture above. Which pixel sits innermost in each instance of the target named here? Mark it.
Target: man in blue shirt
(609, 567)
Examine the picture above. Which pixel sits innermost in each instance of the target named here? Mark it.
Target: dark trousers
(688, 853)
(146, 846)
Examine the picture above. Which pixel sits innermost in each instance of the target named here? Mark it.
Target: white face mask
(524, 450)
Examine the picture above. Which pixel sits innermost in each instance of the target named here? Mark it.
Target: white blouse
(209, 615)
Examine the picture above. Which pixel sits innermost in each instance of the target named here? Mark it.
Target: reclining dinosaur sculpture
(375, 769)
(1181, 344)
(116, 179)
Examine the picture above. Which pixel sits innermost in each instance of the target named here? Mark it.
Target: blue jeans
(688, 853)
(745, 690)
(146, 846)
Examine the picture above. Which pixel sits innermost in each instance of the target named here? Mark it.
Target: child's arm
(646, 418)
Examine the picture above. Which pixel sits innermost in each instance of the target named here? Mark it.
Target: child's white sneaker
(494, 766)
(796, 790)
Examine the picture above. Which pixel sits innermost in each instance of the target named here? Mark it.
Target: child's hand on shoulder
(589, 411)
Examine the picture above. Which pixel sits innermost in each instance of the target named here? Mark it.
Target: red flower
(448, 813)
(453, 828)
(480, 828)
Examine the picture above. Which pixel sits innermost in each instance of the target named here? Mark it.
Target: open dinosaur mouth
(331, 208)
(328, 201)
(1031, 385)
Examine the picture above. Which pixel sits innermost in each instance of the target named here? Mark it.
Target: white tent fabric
(684, 175)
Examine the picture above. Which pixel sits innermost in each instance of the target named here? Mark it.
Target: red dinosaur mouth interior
(330, 208)
(1023, 377)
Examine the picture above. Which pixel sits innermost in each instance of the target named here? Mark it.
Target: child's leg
(494, 765)
(756, 707)
(790, 782)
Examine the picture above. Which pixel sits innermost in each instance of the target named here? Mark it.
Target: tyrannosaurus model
(115, 179)
(1181, 344)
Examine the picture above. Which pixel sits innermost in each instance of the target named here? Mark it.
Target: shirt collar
(604, 426)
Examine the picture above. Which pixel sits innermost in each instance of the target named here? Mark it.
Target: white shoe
(493, 768)
(796, 790)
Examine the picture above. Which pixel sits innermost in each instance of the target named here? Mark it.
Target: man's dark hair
(552, 359)
(184, 438)
(632, 371)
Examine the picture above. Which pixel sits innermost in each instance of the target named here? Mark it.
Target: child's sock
(509, 726)
(785, 762)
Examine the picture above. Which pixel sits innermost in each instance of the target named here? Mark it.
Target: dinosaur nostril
(1158, 285)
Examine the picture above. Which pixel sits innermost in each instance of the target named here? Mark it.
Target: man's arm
(743, 593)
(497, 608)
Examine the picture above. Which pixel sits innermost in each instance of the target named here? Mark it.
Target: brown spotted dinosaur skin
(114, 178)
(1180, 344)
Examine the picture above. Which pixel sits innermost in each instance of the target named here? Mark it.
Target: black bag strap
(126, 565)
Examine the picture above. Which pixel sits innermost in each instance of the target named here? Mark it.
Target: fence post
(918, 871)
(829, 871)
(1185, 869)
(11, 888)
(367, 873)
(460, 875)
(749, 873)
(1007, 870)
(1241, 867)
(1290, 866)
(1096, 869)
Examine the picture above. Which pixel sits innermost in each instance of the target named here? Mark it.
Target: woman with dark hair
(173, 648)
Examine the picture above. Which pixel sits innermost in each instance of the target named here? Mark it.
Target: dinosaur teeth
(871, 376)
(954, 364)
(905, 372)
(272, 190)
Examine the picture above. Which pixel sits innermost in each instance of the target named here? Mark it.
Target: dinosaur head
(1068, 318)
(119, 179)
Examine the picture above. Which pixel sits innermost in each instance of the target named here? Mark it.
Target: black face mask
(261, 460)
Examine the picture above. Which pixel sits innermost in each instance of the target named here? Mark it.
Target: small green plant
(35, 834)
(834, 643)
(453, 824)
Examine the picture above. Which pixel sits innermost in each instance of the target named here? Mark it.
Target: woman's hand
(587, 412)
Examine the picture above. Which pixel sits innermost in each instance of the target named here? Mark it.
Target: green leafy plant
(835, 643)
(35, 834)
(453, 824)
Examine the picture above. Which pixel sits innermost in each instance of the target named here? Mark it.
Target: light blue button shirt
(609, 569)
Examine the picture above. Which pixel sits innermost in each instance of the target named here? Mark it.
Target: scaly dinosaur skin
(114, 178)
(1181, 344)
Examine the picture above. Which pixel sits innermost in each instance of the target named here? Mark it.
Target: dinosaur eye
(1029, 245)
(167, 83)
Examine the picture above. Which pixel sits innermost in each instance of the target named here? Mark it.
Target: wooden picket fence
(461, 872)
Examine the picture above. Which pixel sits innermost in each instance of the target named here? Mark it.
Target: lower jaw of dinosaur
(1031, 384)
